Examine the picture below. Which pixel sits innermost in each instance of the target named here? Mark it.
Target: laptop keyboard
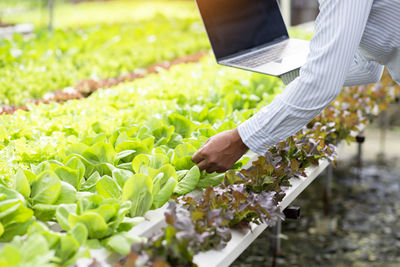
(262, 57)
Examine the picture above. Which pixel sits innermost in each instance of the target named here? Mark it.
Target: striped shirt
(353, 40)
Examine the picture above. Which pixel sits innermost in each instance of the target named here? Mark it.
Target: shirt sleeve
(338, 32)
(361, 72)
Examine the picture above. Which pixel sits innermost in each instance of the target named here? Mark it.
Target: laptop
(251, 35)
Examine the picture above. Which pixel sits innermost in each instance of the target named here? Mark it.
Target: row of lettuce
(92, 167)
(31, 67)
(252, 195)
(214, 93)
(77, 13)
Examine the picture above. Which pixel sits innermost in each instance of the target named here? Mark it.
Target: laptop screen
(237, 25)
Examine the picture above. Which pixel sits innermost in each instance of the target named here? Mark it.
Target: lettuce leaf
(138, 189)
(188, 182)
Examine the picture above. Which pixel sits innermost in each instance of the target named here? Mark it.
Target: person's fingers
(221, 170)
(203, 165)
(198, 156)
(218, 168)
(211, 169)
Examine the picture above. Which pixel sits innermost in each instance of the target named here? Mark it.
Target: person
(353, 42)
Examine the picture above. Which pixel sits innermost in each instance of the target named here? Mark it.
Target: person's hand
(220, 152)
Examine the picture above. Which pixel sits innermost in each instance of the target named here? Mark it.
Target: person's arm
(339, 28)
(361, 72)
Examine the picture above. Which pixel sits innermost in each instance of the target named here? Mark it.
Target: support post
(50, 4)
(384, 125)
(276, 242)
(360, 138)
(328, 188)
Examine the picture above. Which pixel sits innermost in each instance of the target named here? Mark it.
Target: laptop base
(274, 60)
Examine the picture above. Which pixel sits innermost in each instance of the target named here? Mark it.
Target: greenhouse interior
(199, 133)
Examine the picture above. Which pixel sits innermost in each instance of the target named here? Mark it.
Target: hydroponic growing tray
(25, 28)
(154, 221)
(242, 239)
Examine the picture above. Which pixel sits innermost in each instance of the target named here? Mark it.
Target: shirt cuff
(247, 131)
(254, 131)
(272, 124)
